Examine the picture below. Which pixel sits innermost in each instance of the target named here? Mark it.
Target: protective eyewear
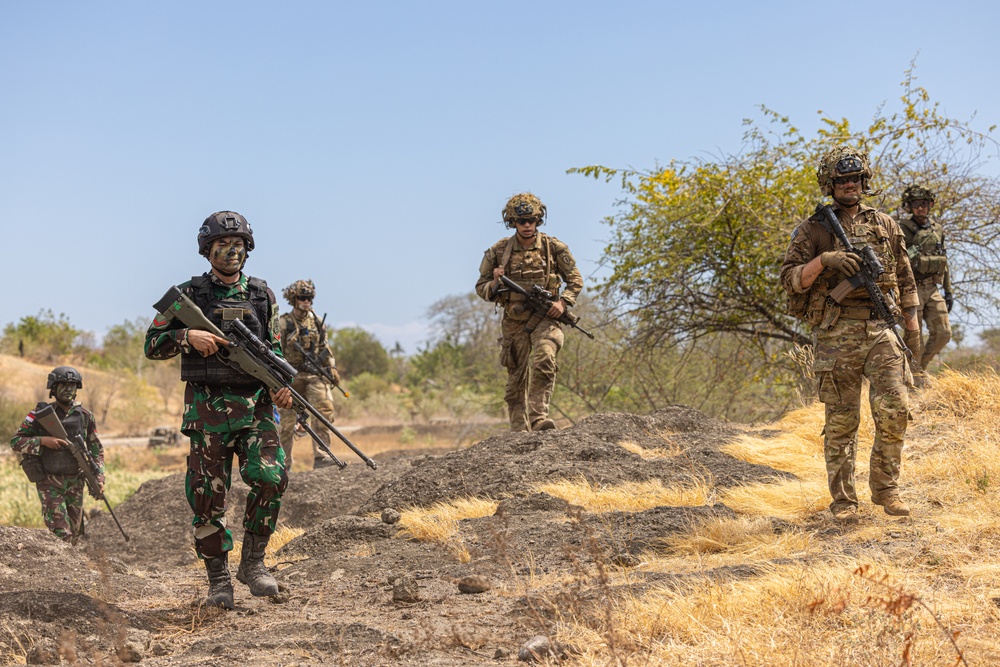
(840, 180)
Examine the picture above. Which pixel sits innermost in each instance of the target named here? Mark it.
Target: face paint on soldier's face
(65, 392)
(228, 255)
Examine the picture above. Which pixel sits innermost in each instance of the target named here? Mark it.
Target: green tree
(696, 249)
(358, 351)
(45, 338)
(122, 347)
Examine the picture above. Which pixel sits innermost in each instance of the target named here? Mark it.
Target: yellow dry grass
(439, 522)
(628, 497)
(672, 450)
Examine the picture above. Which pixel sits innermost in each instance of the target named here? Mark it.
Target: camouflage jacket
(547, 263)
(810, 239)
(212, 408)
(28, 438)
(309, 334)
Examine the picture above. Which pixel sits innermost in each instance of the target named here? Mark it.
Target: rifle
(252, 356)
(538, 301)
(316, 366)
(868, 273)
(47, 419)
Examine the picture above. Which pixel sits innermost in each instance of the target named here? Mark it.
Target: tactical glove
(840, 260)
(911, 338)
(949, 300)
(335, 374)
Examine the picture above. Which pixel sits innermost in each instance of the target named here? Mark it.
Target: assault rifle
(316, 366)
(538, 301)
(870, 270)
(249, 354)
(47, 419)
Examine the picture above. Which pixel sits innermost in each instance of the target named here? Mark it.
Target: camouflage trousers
(62, 505)
(210, 463)
(933, 312)
(847, 352)
(530, 359)
(317, 392)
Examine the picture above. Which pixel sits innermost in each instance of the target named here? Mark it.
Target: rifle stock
(48, 420)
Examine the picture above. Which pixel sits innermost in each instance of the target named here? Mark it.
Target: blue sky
(372, 145)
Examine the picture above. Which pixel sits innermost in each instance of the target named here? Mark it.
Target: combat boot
(892, 505)
(220, 586)
(252, 571)
(846, 514)
(543, 425)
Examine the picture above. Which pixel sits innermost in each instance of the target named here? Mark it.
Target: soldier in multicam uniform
(850, 341)
(226, 411)
(529, 258)
(926, 250)
(303, 327)
(48, 462)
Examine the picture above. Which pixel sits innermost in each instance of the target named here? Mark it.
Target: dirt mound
(338, 601)
(512, 464)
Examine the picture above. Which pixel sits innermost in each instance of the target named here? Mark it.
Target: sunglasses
(304, 298)
(840, 180)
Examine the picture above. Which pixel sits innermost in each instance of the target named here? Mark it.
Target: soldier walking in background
(226, 411)
(851, 342)
(928, 257)
(529, 258)
(304, 335)
(48, 462)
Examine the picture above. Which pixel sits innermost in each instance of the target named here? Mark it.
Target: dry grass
(747, 539)
(628, 497)
(672, 450)
(439, 522)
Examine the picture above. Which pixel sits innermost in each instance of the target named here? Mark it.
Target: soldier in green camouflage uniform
(301, 328)
(227, 412)
(850, 341)
(48, 462)
(926, 250)
(529, 258)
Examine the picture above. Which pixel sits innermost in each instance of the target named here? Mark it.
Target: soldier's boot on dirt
(846, 514)
(220, 586)
(252, 570)
(892, 505)
(543, 425)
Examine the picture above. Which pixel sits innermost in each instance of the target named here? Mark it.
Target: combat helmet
(524, 205)
(297, 289)
(914, 192)
(843, 161)
(223, 223)
(63, 374)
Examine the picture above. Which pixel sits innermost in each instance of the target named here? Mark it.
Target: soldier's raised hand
(53, 442)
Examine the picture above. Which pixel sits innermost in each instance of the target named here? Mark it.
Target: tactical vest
(311, 339)
(856, 305)
(528, 269)
(255, 314)
(61, 461)
(925, 248)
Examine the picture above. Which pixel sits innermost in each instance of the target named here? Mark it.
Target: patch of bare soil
(353, 590)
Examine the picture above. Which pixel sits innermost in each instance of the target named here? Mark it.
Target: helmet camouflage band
(914, 192)
(524, 205)
(843, 161)
(223, 223)
(64, 374)
(297, 289)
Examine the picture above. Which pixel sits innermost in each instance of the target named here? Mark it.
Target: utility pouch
(830, 315)
(506, 356)
(32, 466)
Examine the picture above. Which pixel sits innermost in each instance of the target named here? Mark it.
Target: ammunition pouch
(32, 466)
(59, 461)
(931, 264)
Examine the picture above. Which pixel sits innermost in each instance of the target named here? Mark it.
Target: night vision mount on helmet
(524, 206)
(843, 161)
(223, 223)
(64, 374)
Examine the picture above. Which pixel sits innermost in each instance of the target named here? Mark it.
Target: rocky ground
(353, 591)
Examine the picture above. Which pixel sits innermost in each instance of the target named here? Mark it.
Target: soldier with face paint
(226, 411)
(851, 341)
(48, 462)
